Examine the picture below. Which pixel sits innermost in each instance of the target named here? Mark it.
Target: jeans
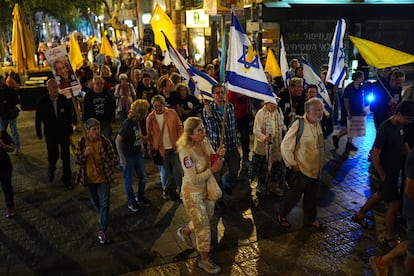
(173, 172)
(5, 179)
(4, 123)
(123, 114)
(228, 175)
(134, 163)
(164, 181)
(99, 194)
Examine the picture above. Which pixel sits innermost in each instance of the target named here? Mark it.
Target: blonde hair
(139, 108)
(123, 76)
(185, 139)
(106, 67)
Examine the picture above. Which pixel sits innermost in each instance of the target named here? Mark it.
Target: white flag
(310, 77)
(284, 65)
(336, 69)
(244, 72)
(198, 82)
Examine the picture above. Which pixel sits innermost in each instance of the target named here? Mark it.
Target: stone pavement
(55, 231)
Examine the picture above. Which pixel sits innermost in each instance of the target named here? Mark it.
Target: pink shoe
(10, 212)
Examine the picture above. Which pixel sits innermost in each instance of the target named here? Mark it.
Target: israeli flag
(284, 65)
(200, 83)
(336, 70)
(310, 77)
(135, 47)
(244, 72)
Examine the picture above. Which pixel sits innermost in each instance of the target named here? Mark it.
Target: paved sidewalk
(55, 232)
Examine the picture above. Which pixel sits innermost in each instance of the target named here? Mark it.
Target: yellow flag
(75, 54)
(271, 64)
(106, 48)
(161, 22)
(92, 40)
(379, 55)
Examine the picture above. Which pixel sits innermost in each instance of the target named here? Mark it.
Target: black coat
(60, 126)
(8, 102)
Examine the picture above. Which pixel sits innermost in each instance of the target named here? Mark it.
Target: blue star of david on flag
(336, 70)
(244, 72)
(244, 58)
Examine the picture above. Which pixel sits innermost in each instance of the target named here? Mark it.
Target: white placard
(62, 71)
(357, 126)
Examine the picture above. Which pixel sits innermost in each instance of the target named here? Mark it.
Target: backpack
(289, 172)
(300, 129)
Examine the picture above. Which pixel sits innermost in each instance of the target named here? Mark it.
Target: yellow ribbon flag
(161, 22)
(379, 55)
(75, 54)
(271, 65)
(106, 48)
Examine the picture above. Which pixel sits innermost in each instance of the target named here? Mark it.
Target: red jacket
(241, 104)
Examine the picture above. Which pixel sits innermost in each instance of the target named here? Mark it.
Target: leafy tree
(70, 12)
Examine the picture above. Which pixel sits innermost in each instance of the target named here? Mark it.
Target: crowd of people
(198, 144)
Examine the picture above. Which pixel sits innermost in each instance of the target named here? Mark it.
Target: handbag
(213, 189)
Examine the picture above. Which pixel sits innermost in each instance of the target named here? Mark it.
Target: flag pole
(75, 105)
(222, 74)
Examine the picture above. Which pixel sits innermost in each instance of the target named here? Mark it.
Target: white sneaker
(185, 238)
(209, 266)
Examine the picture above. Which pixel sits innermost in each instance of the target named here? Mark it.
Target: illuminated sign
(214, 7)
(196, 19)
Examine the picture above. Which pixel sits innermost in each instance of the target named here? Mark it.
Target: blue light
(370, 97)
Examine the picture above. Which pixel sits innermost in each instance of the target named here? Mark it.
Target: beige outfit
(197, 172)
(308, 154)
(266, 123)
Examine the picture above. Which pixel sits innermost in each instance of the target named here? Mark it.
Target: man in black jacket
(55, 112)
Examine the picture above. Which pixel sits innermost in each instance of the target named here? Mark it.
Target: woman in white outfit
(195, 151)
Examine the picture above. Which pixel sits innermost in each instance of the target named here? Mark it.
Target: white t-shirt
(166, 142)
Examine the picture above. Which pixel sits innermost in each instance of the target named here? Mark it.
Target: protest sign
(63, 71)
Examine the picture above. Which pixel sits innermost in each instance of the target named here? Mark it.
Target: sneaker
(165, 195)
(209, 266)
(144, 201)
(378, 268)
(103, 237)
(350, 146)
(184, 238)
(134, 207)
(335, 141)
(10, 212)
